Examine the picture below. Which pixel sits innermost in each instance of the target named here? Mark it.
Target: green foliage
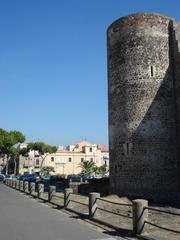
(88, 168)
(8, 140)
(45, 171)
(23, 151)
(8, 146)
(41, 147)
(102, 170)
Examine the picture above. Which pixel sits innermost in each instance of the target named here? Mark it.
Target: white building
(66, 161)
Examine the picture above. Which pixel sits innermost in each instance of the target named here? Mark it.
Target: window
(37, 161)
(82, 159)
(52, 159)
(152, 71)
(91, 159)
(127, 148)
(90, 149)
(70, 159)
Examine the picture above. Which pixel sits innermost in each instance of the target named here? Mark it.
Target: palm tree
(88, 168)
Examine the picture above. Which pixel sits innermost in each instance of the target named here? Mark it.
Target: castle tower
(144, 106)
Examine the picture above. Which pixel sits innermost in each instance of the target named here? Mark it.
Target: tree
(8, 147)
(45, 171)
(102, 170)
(88, 168)
(42, 148)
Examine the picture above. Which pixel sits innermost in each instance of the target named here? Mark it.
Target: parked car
(32, 178)
(21, 178)
(87, 178)
(74, 178)
(2, 177)
(12, 176)
(58, 181)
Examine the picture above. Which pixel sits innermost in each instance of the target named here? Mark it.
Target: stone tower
(144, 106)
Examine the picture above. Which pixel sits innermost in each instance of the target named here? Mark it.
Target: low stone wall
(95, 185)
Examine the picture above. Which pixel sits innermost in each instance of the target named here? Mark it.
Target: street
(24, 218)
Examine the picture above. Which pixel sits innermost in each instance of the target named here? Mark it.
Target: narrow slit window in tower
(127, 146)
(127, 149)
(152, 71)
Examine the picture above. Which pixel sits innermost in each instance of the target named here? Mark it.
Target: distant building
(66, 160)
(29, 163)
(3, 162)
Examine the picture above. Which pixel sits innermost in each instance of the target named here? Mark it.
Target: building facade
(3, 163)
(29, 163)
(144, 106)
(67, 160)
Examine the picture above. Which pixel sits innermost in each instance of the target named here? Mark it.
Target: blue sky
(53, 66)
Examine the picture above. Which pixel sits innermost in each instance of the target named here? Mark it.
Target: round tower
(142, 109)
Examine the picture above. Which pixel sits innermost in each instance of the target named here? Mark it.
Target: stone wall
(143, 136)
(176, 64)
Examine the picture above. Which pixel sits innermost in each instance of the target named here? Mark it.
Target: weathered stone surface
(144, 110)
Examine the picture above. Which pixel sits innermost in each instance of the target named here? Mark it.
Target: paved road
(23, 218)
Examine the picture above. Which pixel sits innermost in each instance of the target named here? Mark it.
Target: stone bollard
(51, 192)
(32, 188)
(10, 182)
(26, 186)
(17, 184)
(67, 196)
(140, 215)
(21, 186)
(92, 203)
(14, 183)
(40, 190)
